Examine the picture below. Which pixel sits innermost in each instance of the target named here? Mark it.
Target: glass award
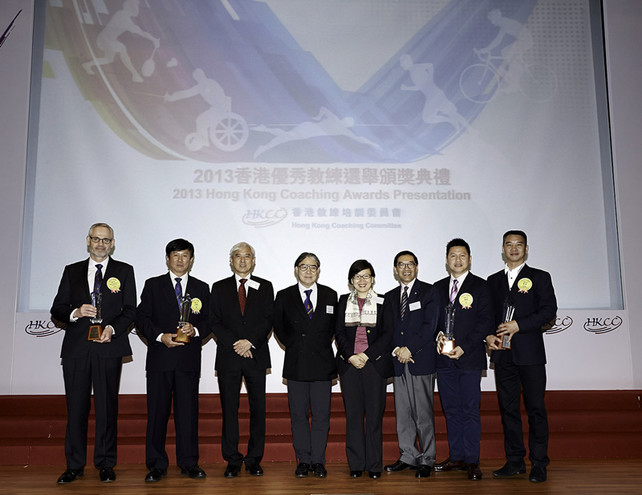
(186, 312)
(449, 332)
(96, 328)
(509, 311)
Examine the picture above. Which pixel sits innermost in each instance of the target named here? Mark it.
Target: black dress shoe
(374, 474)
(254, 469)
(423, 471)
(155, 475)
(194, 472)
(232, 470)
(70, 475)
(319, 470)
(398, 466)
(474, 473)
(356, 474)
(450, 465)
(302, 470)
(509, 469)
(107, 475)
(538, 474)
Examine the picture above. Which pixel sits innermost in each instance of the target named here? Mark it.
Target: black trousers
(80, 376)
(163, 388)
(229, 384)
(510, 381)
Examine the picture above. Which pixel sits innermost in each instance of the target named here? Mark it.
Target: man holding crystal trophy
(524, 302)
(465, 320)
(173, 318)
(95, 305)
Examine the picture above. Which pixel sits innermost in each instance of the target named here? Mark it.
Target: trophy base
(95, 332)
(182, 338)
(448, 346)
(506, 342)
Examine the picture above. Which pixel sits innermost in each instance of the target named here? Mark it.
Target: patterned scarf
(367, 317)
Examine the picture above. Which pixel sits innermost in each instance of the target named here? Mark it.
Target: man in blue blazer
(96, 364)
(304, 324)
(521, 369)
(412, 311)
(173, 366)
(241, 313)
(466, 299)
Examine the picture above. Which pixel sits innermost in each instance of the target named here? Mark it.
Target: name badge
(253, 284)
(414, 306)
(378, 300)
(329, 309)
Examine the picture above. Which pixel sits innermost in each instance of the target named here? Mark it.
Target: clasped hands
(403, 355)
(358, 360)
(243, 348)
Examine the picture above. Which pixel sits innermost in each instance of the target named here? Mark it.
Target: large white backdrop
(355, 139)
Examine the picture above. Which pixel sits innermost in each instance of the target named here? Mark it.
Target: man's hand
(493, 343)
(358, 360)
(509, 328)
(168, 340)
(105, 337)
(186, 329)
(243, 348)
(86, 310)
(456, 353)
(404, 355)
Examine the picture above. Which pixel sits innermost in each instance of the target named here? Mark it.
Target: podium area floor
(567, 476)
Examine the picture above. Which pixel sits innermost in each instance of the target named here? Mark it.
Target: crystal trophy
(186, 312)
(509, 311)
(449, 332)
(96, 328)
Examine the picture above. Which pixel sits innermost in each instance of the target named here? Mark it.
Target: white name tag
(378, 300)
(414, 306)
(253, 284)
(329, 309)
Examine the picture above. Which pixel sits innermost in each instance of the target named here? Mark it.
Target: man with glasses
(304, 324)
(412, 311)
(92, 351)
(241, 311)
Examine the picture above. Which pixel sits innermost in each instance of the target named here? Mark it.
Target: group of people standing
(418, 333)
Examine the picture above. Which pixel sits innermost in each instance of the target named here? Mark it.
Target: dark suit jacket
(472, 325)
(228, 324)
(418, 330)
(379, 349)
(533, 309)
(158, 313)
(118, 309)
(308, 342)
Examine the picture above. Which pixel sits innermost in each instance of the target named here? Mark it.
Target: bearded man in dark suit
(95, 363)
(173, 359)
(521, 369)
(241, 312)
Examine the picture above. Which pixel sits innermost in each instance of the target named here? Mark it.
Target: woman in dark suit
(364, 362)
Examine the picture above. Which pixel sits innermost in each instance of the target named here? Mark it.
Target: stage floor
(579, 476)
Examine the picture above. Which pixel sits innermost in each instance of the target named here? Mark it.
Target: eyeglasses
(365, 278)
(401, 265)
(305, 268)
(103, 240)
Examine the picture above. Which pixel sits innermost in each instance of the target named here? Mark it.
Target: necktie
(242, 295)
(453, 291)
(308, 304)
(179, 291)
(404, 302)
(98, 278)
